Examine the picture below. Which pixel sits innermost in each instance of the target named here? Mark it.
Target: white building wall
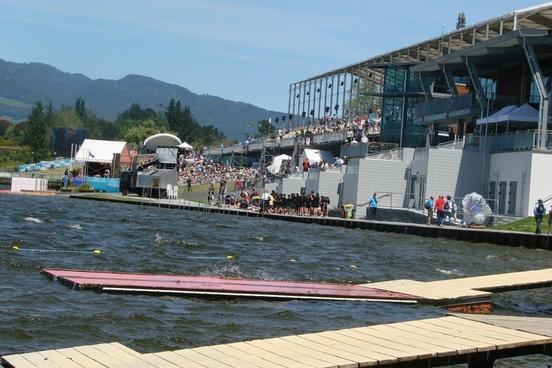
(386, 177)
(541, 180)
(29, 184)
(454, 172)
(512, 167)
(350, 182)
(291, 185)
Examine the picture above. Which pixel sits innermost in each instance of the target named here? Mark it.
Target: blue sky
(243, 50)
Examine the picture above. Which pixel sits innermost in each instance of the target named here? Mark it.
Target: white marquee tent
(99, 151)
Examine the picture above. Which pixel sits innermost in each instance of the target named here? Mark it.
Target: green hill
(23, 84)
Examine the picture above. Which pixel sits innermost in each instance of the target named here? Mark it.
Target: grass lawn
(526, 225)
(202, 188)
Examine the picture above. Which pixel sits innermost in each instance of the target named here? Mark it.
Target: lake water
(37, 313)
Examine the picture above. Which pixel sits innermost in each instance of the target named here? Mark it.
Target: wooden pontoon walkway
(469, 294)
(424, 343)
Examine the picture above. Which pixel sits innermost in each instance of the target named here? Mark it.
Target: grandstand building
(483, 89)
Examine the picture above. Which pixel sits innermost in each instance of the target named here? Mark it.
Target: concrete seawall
(499, 237)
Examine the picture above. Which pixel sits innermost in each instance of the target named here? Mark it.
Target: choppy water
(36, 313)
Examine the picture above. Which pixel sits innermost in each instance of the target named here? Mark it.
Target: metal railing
(518, 141)
(445, 105)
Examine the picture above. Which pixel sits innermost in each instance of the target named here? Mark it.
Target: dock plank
(249, 358)
(201, 359)
(176, 359)
(59, 359)
(535, 325)
(19, 361)
(81, 359)
(429, 341)
(40, 361)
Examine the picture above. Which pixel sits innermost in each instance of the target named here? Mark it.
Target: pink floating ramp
(204, 286)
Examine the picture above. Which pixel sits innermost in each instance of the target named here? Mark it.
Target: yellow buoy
(230, 257)
(97, 252)
(15, 247)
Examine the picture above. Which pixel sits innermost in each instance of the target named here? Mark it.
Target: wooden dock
(499, 237)
(432, 342)
(469, 294)
(205, 286)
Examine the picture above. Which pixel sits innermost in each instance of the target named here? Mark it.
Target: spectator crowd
(193, 168)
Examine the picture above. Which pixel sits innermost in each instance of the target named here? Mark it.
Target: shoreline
(497, 237)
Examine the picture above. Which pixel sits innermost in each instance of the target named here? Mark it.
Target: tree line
(33, 136)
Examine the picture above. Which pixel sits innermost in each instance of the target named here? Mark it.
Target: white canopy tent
(99, 151)
(276, 165)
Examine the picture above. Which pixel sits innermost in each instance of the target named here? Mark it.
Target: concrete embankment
(509, 238)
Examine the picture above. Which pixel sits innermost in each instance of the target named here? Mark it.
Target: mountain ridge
(106, 98)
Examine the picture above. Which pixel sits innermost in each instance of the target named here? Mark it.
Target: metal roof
(536, 17)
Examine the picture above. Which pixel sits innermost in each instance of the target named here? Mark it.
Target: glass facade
(400, 83)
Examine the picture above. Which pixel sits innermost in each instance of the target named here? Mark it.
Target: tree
(80, 107)
(137, 134)
(36, 132)
(264, 129)
(461, 23)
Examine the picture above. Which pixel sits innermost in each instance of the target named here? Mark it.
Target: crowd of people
(357, 129)
(193, 168)
(444, 207)
(300, 204)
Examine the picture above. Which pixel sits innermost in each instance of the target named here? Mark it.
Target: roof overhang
(534, 18)
(501, 45)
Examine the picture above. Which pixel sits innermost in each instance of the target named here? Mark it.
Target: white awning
(93, 150)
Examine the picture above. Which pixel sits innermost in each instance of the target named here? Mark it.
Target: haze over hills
(22, 84)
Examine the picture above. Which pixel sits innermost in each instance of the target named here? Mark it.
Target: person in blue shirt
(428, 205)
(373, 204)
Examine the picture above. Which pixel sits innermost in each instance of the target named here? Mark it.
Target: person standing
(373, 204)
(440, 209)
(539, 212)
(428, 205)
(549, 219)
(222, 193)
(189, 184)
(210, 194)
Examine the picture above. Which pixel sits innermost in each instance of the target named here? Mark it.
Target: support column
(319, 91)
(294, 103)
(325, 95)
(331, 94)
(350, 107)
(303, 104)
(450, 80)
(404, 109)
(344, 95)
(533, 62)
(289, 100)
(357, 112)
(337, 95)
(474, 77)
(426, 87)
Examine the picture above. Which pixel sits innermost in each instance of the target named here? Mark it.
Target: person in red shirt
(440, 210)
(306, 164)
